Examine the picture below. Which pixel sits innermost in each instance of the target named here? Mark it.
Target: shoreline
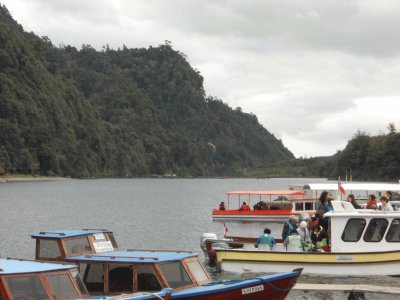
(23, 178)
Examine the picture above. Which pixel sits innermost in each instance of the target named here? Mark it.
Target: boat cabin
(32, 280)
(55, 245)
(363, 230)
(130, 271)
(107, 271)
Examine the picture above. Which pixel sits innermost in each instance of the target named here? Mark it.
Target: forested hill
(123, 113)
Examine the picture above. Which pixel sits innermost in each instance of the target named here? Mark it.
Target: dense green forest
(117, 113)
(370, 158)
(144, 112)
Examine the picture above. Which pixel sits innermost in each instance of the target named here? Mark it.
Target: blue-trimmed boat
(25, 279)
(108, 271)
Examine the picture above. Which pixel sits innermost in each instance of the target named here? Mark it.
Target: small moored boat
(25, 279)
(111, 271)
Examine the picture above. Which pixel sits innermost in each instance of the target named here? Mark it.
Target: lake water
(143, 213)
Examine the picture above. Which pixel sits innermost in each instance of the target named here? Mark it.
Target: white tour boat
(362, 243)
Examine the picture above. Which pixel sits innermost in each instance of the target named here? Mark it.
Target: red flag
(226, 231)
(341, 189)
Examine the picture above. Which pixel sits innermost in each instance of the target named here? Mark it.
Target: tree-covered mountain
(124, 112)
(366, 157)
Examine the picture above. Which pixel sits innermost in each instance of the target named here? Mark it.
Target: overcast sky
(313, 72)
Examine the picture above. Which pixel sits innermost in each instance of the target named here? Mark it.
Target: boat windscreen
(62, 286)
(175, 274)
(49, 248)
(26, 287)
(77, 245)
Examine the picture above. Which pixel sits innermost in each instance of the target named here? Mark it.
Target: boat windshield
(175, 274)
(79, 282)
(146, 279)
(62, 286)
(197, 271)
(77, 245)
(49, 248)
(26, 287)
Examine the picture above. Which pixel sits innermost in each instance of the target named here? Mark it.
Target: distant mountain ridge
(117, 113)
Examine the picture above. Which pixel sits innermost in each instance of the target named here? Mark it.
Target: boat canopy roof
(271, 192)
(9, 266)
(354, 186)
(60, 234)
(134, 256)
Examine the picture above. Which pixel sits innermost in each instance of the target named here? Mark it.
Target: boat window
(26, 287)
(309, 205)
(120, 278)
(353, 230)
(393, 234)
(175, 274)
(146, 279)
(79, 282)
(112, 240)
(299, 206)
(93, 277)
(49, 248)
(375, 230)
(63, 287)
(197, 270)
(77, 245)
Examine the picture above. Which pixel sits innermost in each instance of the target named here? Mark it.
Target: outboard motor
(207, 236)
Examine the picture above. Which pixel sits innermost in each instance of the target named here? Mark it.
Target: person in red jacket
(245, 207)
(371, 204)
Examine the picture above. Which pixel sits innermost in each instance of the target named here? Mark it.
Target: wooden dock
(347, 288)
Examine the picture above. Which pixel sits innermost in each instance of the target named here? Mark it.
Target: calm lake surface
(143, 213)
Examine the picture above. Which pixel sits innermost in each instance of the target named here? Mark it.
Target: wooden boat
(113, 272)
(265, 206)
(362, 243)
(25, 279)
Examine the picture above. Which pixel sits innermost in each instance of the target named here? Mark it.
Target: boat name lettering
(103, 246)
(99, 236)
(344, 258)
(253, 289)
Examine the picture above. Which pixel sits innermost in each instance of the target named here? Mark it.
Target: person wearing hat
(305, 236)
(289, 227)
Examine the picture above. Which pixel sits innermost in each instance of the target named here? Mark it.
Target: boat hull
(266, 287)
(335, 264)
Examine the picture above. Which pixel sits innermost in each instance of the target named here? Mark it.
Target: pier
(363, 288)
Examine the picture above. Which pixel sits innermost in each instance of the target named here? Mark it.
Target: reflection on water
(143, 213)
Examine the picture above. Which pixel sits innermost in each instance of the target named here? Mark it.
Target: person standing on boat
(386, 206)
(289, 227)
(321, 205)
(305, 237)
(222, 206)
(371, 204)
(319, 238)
(353, 201)
(266, 239)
